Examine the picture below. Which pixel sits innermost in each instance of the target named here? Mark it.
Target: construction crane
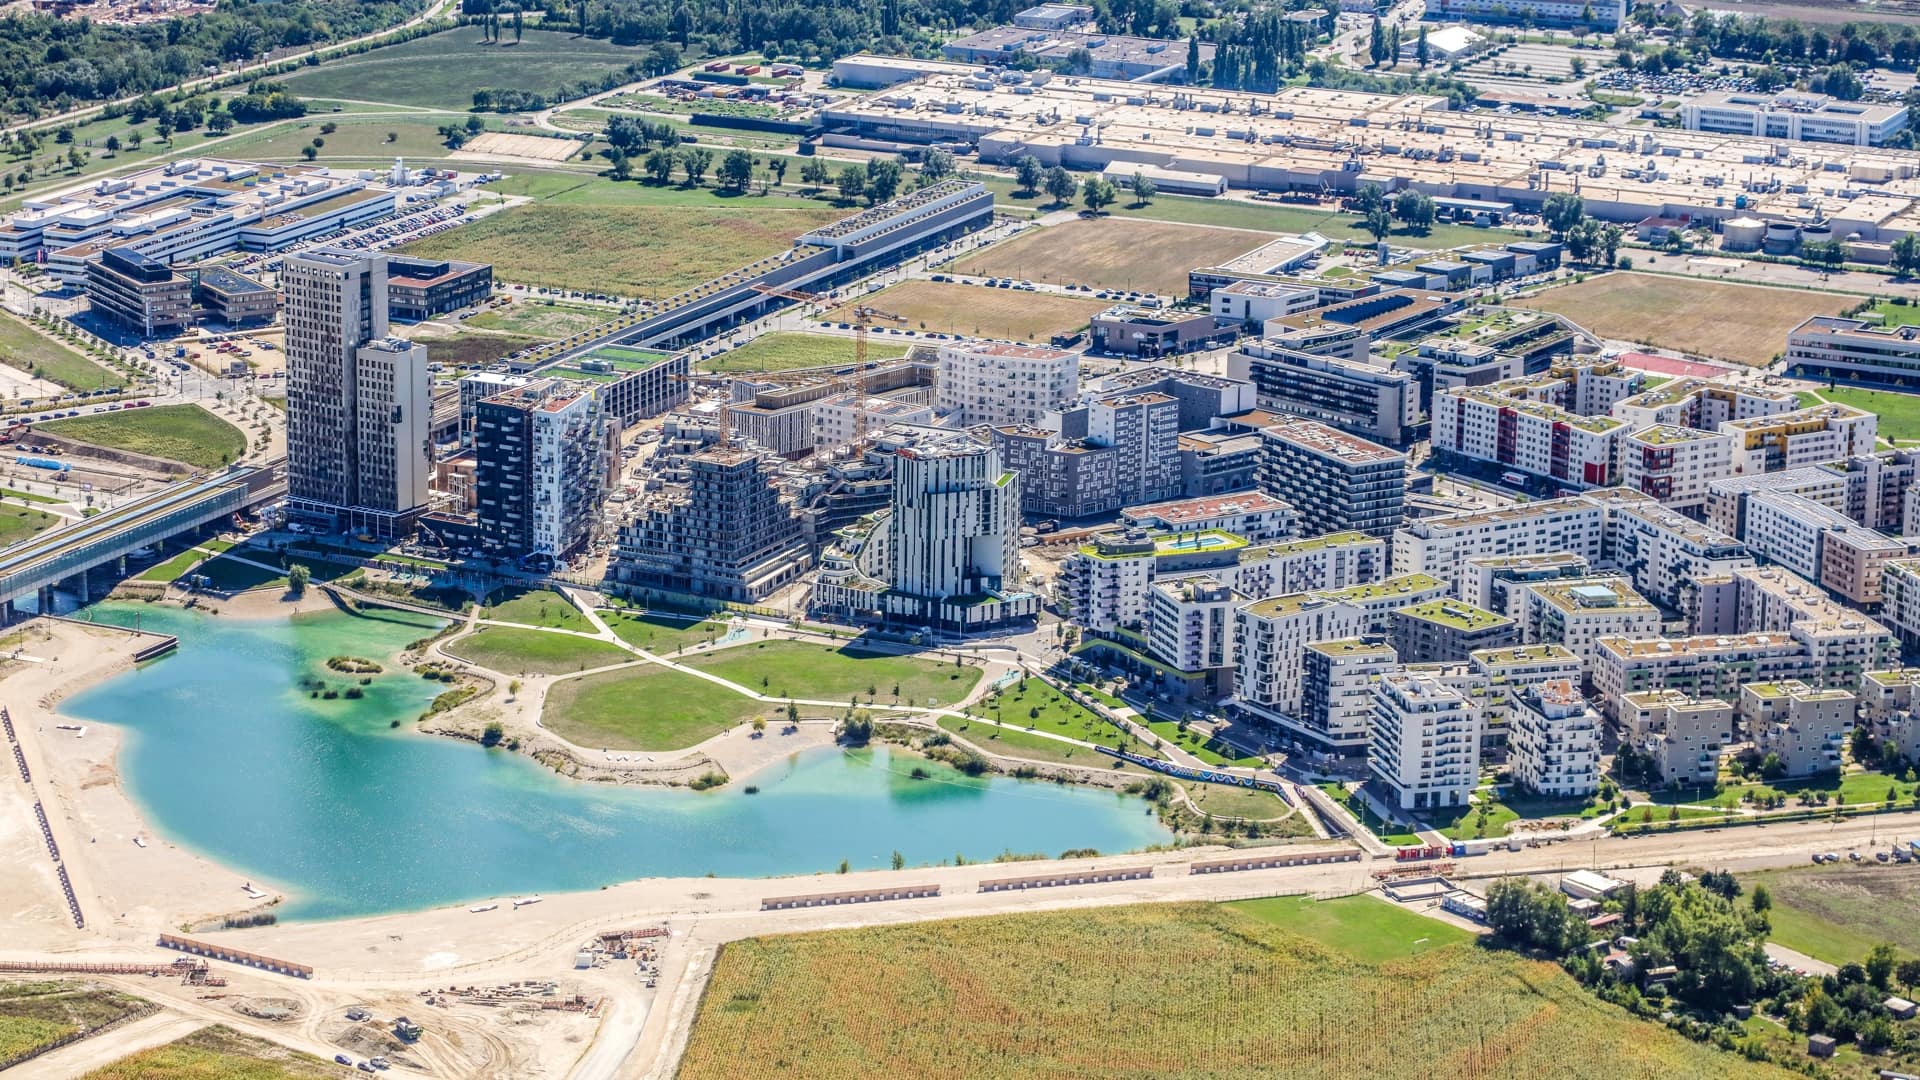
(863, 317)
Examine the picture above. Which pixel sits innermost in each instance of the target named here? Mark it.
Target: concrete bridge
(65, 555)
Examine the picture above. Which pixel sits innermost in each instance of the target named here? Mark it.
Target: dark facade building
(227, 297)
(423, 288)
(727, 535)
(139, 293)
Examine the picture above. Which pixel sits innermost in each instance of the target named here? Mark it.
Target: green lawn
(20, 522)
(181, 563)
(1892, 314)
(1207, 749)
(647, 707)
(781, 351)
(231, 575)
(188, 434)
(441, 71)
(1899, 413)
(1856, 787)
(1371, 930)
(1359, 809)
(1225, 800)
(535, 607)
(662, 635)
(28, 496)
(1468, 824)
(365, 140)
(803, 669)
(1021, 743)
(23, 347)
(1838, 912)
(535, 652)
(1038, 704)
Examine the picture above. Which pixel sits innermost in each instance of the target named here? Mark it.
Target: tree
(779, 167)
(516, 25)
(814, 173)
(1097, 193)
(622, 164)
(1368, 198)
(113, 147)
(1908, 972)
(857, 728)
(883, 180)
(1762, 899)
(759, 725)
(580, 16)
(1144, 189)
(1529, 915)
(1193, 60)
(1060, 184)
(309, 152)
(1378, 222)
(659, 166)
(694, 162)
(1376, 42)
(1610, 237)
(1563, 210)
(297, 577)
(1880, 965)
(736, 171)
(853, 181)
(1421, 51)
(899, 861)
(1906, 253)
(1823, 253)
(1416, 209)
(1027, 170)
(935, 165)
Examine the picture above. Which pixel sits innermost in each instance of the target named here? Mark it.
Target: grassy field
(1112, 253)
(1185, 991)
(1222, 800)
(368, 139)
(232, 575)
(631, 250)
(33, 1014)
(543, 318)
(784, 350)
(1207, 749)
(1270, 217)
(1854, 786)
(836, 672)
(1020, 743)
(662, 635)
(1899, 413)
(19, 522)
(181, 563)
(23, 347)
(1038, 704)
(535, 652)
(535, 607)
(981, 312)
(218, 1053)
(1743, 323)
(1836, 913)
(188, 434)
(646, 708)
(442, 71)
(474, 350)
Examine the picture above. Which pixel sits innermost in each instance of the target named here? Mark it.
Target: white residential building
(1424, 747)
(1337, 708)
(567, 470)
(1000, 384)
(1499, 582)
(1665, 551)
(1503, 673)
(1441, 546)
(1675, 464)
(1190, 625)
(1685, 736)
(1272, 634)
(1543, 440)
(1255, 515)
(1576, 613)
(1701, 404)
(1900, 600)
(1553, 739)
(1812, 436)
(1727, 499)
(1806, 728)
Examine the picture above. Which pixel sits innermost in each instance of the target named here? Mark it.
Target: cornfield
(1194, 991)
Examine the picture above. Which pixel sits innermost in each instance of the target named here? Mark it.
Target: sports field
(783, 351)
(980, 312)
(188, 434)
(441, 71)
(1747, 324)
(1112, 253)
(1343, 989)
(651, 251)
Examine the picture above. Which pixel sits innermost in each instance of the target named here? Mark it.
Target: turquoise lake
(228, 755)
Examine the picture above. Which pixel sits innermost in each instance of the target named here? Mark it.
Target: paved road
(1799, 961)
